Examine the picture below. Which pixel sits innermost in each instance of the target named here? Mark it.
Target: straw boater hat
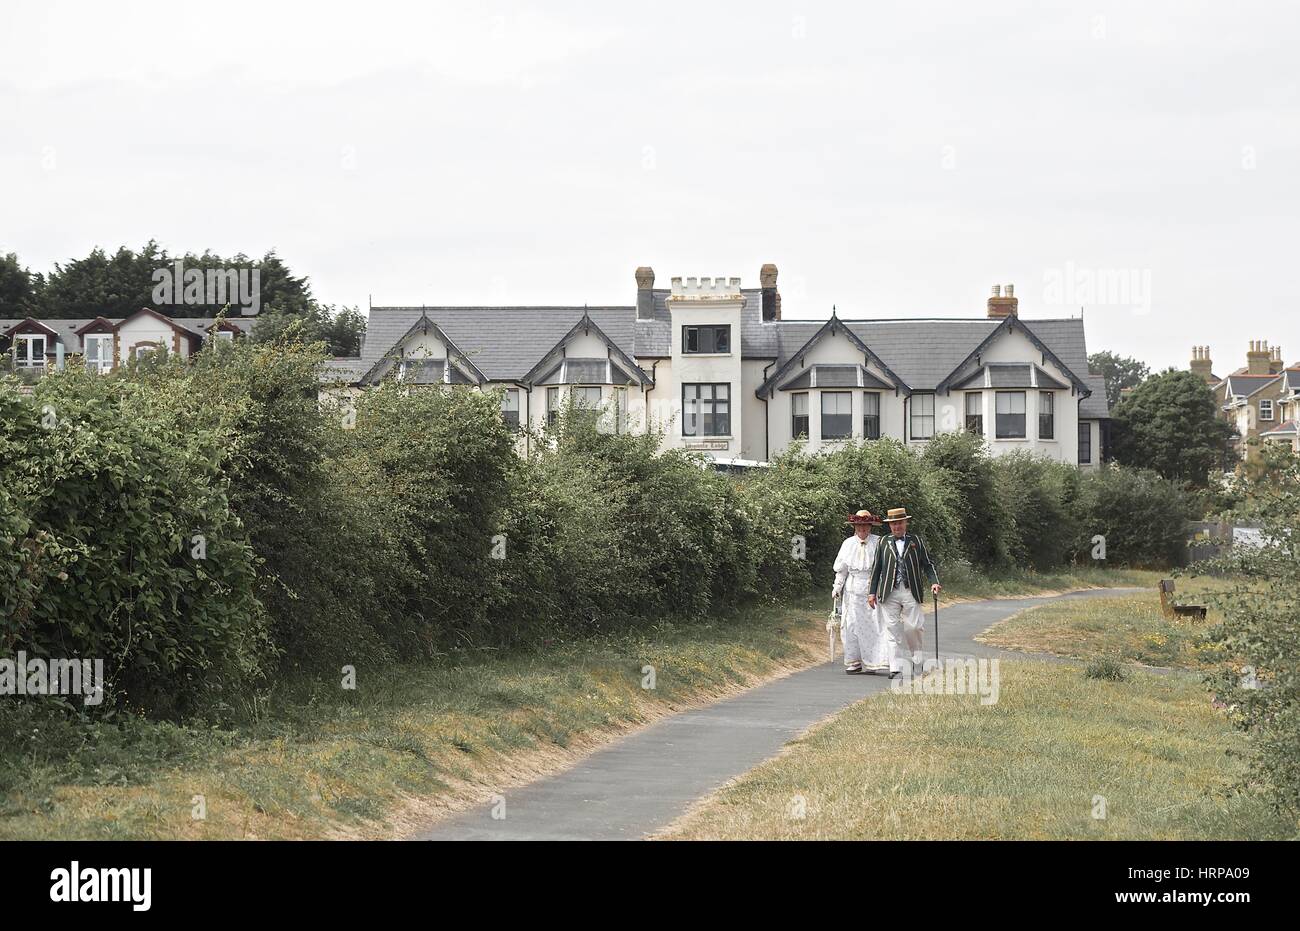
(864, 517)
(897, 514)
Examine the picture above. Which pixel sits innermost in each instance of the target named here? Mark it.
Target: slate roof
(1246, 385)
(67, 329)
(1286, 428)
(507, 342)
(504, 343)
(1009, 375)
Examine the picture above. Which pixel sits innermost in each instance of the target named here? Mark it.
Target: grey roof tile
(72, 342)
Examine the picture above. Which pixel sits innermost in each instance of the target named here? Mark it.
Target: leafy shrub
(986, 529)
(116, 487)
(1039, 496)
(1261, 630)
(1142, 516)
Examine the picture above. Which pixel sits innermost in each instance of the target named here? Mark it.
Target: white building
(104, 343)
(716, 368)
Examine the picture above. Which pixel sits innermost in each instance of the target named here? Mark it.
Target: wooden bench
(1172, 610)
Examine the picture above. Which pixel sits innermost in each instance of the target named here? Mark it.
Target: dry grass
(410, 744)
(1127, 628)
(1031, 766)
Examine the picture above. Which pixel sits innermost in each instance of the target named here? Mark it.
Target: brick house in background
(718, 369)
(1261, 400)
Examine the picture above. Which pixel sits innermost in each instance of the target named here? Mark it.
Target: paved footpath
(644, 781)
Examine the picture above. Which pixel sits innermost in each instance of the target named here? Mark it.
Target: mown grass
(411, 741)
(378, 761)
(1125, 629)
(1056, 750)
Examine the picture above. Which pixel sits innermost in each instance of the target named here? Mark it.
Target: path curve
(644, 781)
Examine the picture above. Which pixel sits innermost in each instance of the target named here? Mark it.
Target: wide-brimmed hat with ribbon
(863, 517)
(896, 514)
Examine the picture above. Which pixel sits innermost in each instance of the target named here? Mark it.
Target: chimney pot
(1003, 305)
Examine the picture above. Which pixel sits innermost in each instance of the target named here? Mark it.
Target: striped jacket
(916, 557)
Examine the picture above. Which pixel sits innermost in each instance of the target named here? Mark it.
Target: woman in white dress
(866, 648)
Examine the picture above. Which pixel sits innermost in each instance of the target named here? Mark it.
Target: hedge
(405, 525)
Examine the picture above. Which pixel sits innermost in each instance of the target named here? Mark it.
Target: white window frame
(104, 362)
(871, 399)
(914, 416)
(510, 405)
(796, 402)
(28, 339)
(1023, 413)
(839, 399)
(1266, 409)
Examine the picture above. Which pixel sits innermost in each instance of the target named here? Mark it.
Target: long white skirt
(863, 633)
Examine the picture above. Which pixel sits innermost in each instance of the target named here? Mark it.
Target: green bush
(1040, 497)
(116, 487)
(1142, 516)
(433, 469)
(987, 531)
(1261, 631)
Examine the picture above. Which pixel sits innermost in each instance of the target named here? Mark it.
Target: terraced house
(1261, 399)
(33, 346)
(714, 365)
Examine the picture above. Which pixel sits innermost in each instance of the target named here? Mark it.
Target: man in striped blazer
(896, 578)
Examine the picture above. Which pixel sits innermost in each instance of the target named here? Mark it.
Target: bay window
(1010, 415)
(975, 412)
(871, 415)
(799, 415)
(837, 415)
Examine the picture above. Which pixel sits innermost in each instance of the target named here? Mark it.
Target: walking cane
(936, 627)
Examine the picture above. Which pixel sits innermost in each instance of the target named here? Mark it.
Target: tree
(118, 285)
(1169, 424)
(1120, 372)
(17, 291)
(340, 330)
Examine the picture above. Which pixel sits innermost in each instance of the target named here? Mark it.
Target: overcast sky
(893, 160)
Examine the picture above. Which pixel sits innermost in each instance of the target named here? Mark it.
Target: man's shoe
(895, 673)
(853, 672)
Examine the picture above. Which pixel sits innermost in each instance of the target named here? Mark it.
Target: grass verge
(409, 743)
(1055, 751)
(1125, 629)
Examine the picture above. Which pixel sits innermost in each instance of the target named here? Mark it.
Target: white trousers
(904, 622)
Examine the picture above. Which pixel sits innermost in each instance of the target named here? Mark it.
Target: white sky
(895, 160)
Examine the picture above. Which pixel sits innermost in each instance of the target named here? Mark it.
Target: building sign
(709, 444)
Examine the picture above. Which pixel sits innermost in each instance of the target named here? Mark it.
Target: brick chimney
(1258, 358)
(771, 296)
(645, 300)
(1201, 365)
(1275, 364)
(1004, 305)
